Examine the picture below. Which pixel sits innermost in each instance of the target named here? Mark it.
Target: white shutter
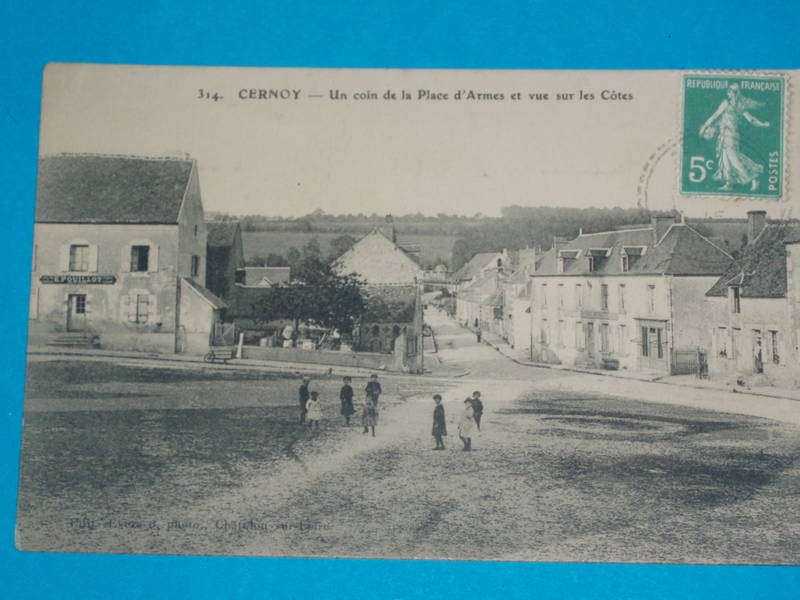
(152, 265)
(125, 308)
(125, 259)
(93, 258)
(63, 261)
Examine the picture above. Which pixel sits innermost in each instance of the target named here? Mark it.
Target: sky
(291, 148)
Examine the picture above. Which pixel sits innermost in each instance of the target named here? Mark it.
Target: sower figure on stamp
(466, 424)
(346, 397)
(373, 389)
(733, 166)
(439, 425)
(303, 397)
(477, 408)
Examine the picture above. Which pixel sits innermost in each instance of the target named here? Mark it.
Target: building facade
(630, 299)
(225, 256)
(755, 307)
(120, 253)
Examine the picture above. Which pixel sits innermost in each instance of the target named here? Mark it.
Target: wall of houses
(378, 261)
(197, 319)
(575, 321)
(736, 336)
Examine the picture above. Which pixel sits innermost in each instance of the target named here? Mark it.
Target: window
(195, 264)
(625, 262)
(560, 333)
(140, 259)
(579, 335)
(622, 297)
(544, 295)
(651, 298)
(195, 231)
(659, 347)
(543, 332)
(722, 342)
(603, 296)
(773, 339)
(578, 296)
(622, 342)
(79, 257)
(560, 290)
(604, 345)
(645, 345)
(592, 264)
(736, 302)
(80, 304)
(141, 309)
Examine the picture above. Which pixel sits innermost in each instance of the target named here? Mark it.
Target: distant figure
(373, 389)
(303, 395)
(477, 408)
(466, 424)
(478, 334)
(369, 416)
(346, 397)
(439, 425)
(314, 411)
(758, 358)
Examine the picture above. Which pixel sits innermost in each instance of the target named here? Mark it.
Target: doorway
(76, 312)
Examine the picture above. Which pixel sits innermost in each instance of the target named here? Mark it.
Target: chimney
(756, 221)
(660, 226)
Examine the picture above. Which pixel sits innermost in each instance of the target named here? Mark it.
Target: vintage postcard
(471, 315)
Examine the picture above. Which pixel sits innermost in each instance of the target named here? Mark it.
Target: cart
(220, 354)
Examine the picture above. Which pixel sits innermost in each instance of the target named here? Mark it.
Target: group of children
(470, 419)
(311, 410)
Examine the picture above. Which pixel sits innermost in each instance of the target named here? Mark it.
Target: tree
(318, 295)
(312, 248)
(341, 244)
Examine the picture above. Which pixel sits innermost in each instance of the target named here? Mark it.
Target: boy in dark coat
(346, 396)
(439, 425)
(373, 389)
(477, 408)
(303, 395)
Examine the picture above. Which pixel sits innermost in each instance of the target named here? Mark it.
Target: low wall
(365, 360)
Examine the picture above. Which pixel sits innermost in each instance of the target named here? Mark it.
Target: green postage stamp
(733, 135)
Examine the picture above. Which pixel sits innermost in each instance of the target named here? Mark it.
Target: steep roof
(79, 188)
(475, 265)
(368, 257)
(221, 234)
(206, 294)
(761, 272)
(681, 251)
(273, 275)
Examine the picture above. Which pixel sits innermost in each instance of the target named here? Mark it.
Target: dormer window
(596, 258)
(629, 256)
(566, 258)
(736, 299)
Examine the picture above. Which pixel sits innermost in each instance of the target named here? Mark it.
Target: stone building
(631, 298)
(754, 318)
(377, 259)
(225, 256)
(120, 254)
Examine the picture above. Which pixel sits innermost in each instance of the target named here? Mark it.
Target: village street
(568, 467)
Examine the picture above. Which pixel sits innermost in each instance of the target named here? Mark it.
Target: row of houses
(123, 257)
(658, 298)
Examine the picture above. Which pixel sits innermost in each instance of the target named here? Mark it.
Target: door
(653, 352)
(590, 339)
(76, 312)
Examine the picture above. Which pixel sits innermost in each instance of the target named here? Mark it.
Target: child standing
(369, 416)
(477, 408)
(346, 396)
(373, 389)
(313, 411)
(466, 425)
(439, 425)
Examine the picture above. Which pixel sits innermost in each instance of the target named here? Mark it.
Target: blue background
(509, 35)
